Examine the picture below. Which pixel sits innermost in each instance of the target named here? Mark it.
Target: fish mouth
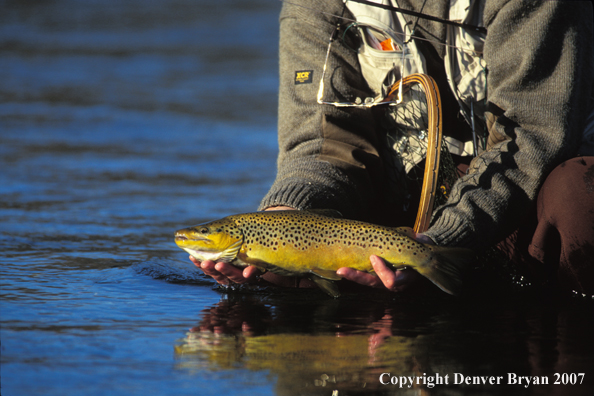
(183, 241)
(183, 237)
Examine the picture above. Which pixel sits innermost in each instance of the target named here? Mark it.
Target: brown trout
(315, 243)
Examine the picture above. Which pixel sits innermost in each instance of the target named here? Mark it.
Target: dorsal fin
(406, 231)
(325, 212)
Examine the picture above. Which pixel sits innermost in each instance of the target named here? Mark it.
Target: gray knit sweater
(540, 87)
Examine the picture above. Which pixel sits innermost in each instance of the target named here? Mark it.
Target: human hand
(398, 280)
(225, 273)
(386, 277)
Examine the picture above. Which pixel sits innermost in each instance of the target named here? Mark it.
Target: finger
(393, 280)
(209, 268)
(195, 261)
(387, 275)
(360, 277)
(251, 272)
(233, 273)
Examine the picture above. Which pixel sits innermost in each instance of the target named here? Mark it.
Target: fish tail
(446, 268)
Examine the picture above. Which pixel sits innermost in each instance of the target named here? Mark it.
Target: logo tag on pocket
(303, 77)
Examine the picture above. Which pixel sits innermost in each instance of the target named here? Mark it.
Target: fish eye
(203, 230)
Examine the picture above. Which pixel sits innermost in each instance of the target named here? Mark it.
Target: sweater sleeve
(327, 155)
(540, 73)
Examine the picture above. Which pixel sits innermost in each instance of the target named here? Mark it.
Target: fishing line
(422, 16)
(412, 31)
(402, 35)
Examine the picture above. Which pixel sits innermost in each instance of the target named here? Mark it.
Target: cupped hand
(398, 280)
(386, 277)
(225, 273)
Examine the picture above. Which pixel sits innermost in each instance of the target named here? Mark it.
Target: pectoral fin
(326, 274)
(231, 252)
(326, 285)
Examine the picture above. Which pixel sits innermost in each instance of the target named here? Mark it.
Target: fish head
(218, 240)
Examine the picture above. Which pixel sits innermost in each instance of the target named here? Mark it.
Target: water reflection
(344, 346)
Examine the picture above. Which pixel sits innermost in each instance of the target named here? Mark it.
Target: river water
(122, 121)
